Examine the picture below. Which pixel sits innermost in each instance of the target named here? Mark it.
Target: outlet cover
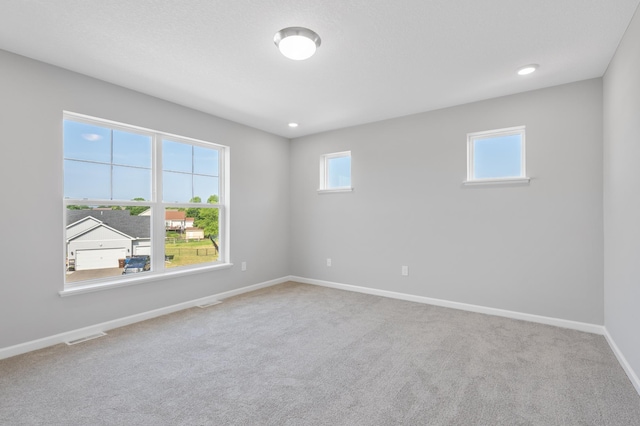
(244, 266)
(405, 271)
(328, 262)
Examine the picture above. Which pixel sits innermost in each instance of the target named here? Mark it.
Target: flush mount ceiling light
(297, 43)
(293, 124)
(527, 69)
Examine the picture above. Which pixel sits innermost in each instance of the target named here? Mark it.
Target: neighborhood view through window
(113, 226)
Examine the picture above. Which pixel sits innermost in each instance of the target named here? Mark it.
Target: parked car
(137, 264)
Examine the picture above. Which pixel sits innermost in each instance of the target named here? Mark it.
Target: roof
(175, 215)
(120, 220)
(85, 233)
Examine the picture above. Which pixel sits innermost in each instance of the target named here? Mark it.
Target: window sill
(505, 181)
(331, 191)
(106, 285)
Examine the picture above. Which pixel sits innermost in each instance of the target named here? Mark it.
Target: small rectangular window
(335, 172)
(496, 156)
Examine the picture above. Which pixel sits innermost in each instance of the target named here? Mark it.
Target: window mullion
(111, 166)
(158, 211)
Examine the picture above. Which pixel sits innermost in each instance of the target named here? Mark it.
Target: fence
(201, 251)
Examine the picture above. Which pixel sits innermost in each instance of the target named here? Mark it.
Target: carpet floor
(297, 354)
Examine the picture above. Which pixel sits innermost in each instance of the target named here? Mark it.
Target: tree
(76, 207)
(208, 221)
(207, 218)
(136, 210)
(193, 212)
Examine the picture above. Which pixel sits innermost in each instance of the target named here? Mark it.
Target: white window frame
(324, 173)
(158, 208)
(509, 131)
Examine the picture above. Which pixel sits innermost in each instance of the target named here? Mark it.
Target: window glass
(130, 183)
(194, 242)
(335, 172)
(205, 161)
(339, 172)
(496, 157)
(177, 157)
(190, 172)
(87, 142)
(106, 242)
(107, 164)
(496, 154)
(130, 149)
(109, 176)
(87, 180)
(177, 187)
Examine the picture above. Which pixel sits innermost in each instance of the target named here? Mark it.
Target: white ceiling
(378, 59)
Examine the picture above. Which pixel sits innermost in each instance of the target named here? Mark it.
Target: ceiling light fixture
(297, 43)
(293, 124)
(527, 69)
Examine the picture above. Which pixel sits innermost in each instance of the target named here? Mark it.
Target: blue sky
(96, 157)
(339, 172)
(101, 163)
(497, 157)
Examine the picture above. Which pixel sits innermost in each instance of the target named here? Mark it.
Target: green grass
(190, 252)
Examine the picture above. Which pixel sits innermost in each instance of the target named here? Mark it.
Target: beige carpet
(297, 354)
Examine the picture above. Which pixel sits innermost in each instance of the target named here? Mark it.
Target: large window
(335, 172)
(496, 156)
(139, 202)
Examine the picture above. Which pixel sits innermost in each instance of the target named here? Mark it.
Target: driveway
(92, 274)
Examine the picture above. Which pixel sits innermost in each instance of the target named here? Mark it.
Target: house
(175, 220)
(193, 233)
(98, 239)
(561, 249)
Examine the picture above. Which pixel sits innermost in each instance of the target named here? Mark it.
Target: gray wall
(33, 96)
(622, 195)
(535, 249)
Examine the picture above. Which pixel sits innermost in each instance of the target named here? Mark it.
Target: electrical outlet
(405, 271)
(244, 266)
(328, 261)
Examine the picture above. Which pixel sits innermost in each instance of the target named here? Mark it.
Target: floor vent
(206, 305)
(84, 339)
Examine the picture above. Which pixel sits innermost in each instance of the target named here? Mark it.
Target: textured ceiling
(378, 59)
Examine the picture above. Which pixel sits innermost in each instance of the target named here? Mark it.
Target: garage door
(141, 251)
(98, 259)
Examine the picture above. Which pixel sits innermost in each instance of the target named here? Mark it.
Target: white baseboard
(623, 361)
(121, 322)
(574, 325)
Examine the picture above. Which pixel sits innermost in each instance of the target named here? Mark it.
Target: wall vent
(84, 339)
(206, 305)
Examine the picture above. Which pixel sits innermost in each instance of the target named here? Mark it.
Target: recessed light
(297, 43)
(527, 69)
(293, 124)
